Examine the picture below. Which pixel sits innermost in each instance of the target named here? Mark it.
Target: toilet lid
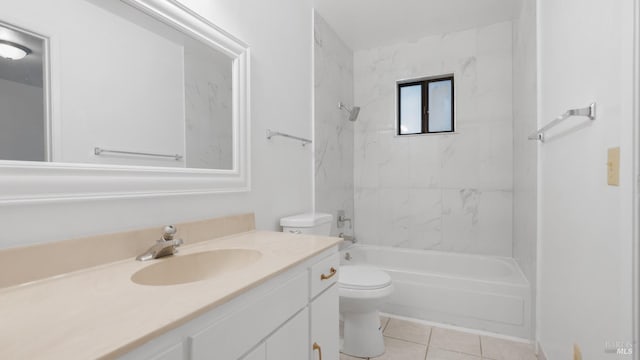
(362, 277)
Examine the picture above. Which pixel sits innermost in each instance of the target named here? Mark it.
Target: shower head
(353, 112)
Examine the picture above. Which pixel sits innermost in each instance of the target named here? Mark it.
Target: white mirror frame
(35, 182)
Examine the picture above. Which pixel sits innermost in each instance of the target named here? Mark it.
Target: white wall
(444, 192)
(525, 156)
(585, 50)
(280, 37)
(333, 132)
(22, 130)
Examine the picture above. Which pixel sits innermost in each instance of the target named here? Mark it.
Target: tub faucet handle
(343, 219)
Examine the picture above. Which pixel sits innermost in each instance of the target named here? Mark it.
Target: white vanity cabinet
(291, 341)
(324, 325)
(323, 309)
(258, 353)
(280, 319)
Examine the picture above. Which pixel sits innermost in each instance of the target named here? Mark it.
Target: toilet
(362, 290)
(309, 223)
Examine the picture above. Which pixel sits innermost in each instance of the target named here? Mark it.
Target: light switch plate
(613, 166)
(577, 354)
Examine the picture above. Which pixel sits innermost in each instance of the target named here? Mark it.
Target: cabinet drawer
(324, 274)
(233, 335)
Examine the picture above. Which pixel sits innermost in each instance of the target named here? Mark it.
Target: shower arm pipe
(271, 133)
(343, 106)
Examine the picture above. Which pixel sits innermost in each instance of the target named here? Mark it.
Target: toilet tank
(308, 223)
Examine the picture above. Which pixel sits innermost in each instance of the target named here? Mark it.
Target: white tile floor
(406, 340)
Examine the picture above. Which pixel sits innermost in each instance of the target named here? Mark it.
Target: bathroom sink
(181, 269)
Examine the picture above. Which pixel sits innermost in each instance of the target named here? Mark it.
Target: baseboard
(458, 328)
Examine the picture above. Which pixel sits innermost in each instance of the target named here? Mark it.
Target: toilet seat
(365, 278)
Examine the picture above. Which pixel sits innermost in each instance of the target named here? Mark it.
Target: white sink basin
(181, 269)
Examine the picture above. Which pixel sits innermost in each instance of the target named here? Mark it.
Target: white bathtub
(474, 291)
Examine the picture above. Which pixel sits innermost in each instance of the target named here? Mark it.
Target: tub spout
(346, 237)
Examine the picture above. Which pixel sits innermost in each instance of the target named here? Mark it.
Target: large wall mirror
(142, 91)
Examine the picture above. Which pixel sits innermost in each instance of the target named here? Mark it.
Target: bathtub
(486, 293)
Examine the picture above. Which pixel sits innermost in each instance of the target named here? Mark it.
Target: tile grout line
(428, 342)
(463, 353)
(386, 324)
(474, 355)
(405, 340)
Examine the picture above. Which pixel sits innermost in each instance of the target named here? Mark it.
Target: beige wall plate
(613, 166)
(577, 354)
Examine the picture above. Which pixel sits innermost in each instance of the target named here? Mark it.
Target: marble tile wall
(525, 154)
(525, 151)
(333, 132)
(445, 192)
(208, 108)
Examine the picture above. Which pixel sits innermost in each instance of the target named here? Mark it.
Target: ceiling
(28, 71)
(365, 24)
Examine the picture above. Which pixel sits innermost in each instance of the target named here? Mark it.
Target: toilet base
(362, 334)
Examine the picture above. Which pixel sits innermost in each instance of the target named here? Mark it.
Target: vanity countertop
(99, 312)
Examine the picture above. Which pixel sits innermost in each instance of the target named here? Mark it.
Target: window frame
(424, 83)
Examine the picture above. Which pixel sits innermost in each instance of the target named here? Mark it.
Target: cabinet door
(291, 341)
(257, 354)
(324, 325)
(232, 336)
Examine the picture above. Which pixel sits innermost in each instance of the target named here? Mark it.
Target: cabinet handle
(317, 347)
(332, 272)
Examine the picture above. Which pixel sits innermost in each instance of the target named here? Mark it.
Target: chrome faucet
(166, 246)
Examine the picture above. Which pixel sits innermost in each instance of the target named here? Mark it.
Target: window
(426, 106)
